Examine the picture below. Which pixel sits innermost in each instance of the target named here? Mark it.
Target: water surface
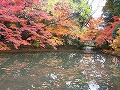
(63, 70)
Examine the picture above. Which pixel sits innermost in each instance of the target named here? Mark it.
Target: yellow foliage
(58, 33)
(116, 43)
(118, 32)
(87, 35)
(13, 26)
(55, 41)
(58, 30)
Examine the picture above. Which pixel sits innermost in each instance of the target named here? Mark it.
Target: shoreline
(63, 48)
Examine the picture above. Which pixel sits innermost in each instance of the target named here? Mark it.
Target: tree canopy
(52, 23)
(40, 23)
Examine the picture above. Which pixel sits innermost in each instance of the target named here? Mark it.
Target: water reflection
(59, 71)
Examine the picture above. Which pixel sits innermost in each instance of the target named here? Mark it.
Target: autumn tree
(19, 17)
(70, 16)
(116, 35)
(25, 22)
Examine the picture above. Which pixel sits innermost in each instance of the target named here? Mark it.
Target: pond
(61, 70)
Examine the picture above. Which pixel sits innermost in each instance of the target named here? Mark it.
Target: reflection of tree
(2, 60)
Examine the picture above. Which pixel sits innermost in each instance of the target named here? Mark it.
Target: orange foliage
(3, 47)
(55, 41)
(100, 37)
(88, 35)
(58, 30)
(62, 24)
(94, 23)
(104, 35)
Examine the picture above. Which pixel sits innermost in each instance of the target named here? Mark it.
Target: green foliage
(114, 34)
(80, 9)
(111, 8)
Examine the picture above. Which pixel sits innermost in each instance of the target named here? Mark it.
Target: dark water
(73, 70)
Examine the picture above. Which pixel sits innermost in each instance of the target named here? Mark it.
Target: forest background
(54, 23)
